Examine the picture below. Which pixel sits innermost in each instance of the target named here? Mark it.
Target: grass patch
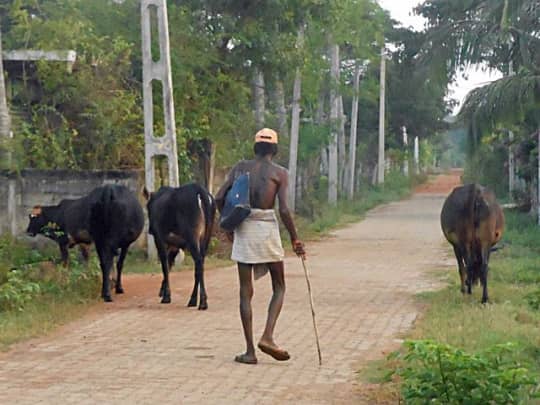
(511, 318)
(40, 317)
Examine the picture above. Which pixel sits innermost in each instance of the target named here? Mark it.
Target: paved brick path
(137, 351)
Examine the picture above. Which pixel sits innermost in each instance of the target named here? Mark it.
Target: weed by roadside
(36, 295)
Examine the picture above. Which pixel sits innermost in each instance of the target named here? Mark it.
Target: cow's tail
(480, 212)
(102, 212)
(208, 206)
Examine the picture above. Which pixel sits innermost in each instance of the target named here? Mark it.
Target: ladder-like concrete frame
(161, 70)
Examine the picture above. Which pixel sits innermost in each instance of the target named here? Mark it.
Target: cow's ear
(147, 194)
(36, 211)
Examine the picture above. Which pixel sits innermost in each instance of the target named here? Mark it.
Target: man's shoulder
(241, 164)
(280, 168)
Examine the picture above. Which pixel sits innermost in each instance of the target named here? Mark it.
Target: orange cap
(266, 135)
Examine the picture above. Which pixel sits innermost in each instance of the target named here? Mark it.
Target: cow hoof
(192, 303)
(119, 290)
(166, 300)
(203, 307)
(107, 298)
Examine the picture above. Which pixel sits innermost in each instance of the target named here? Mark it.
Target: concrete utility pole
(406, 151)
(159, 71)
(416, 155)
(354, 125)
(511, 155)
(382, 86)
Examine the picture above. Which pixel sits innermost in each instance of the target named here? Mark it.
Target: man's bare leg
(267, 344)
(246, 293)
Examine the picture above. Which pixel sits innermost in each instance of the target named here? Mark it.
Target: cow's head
(37, 221)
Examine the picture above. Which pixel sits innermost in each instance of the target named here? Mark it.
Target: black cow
(182, 218)
(110, 216)
(473, 222)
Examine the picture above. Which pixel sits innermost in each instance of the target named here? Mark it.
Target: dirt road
(137, 351)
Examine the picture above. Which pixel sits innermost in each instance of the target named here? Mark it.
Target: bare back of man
(267, 181)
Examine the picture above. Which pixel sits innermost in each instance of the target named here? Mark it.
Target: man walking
(257, 243)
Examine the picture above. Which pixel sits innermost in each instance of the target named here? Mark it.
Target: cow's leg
(119, 266)
(193, 299)
(106, 258)
(199, 279)
(461, 267)
(64, 254)
(195, 255)
(484, 275)
(85, 252)
(165, 291)
(469, 263)
(171, 256)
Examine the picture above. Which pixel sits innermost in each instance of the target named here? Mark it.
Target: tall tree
(4, 112)
(334, 117)
(295, 126)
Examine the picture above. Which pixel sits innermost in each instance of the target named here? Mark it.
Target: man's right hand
(298, 247)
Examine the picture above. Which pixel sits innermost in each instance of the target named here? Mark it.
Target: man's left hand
(298, 247)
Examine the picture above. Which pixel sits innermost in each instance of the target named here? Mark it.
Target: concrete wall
(19, 192)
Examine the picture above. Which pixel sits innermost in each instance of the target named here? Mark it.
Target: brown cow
(473, 222)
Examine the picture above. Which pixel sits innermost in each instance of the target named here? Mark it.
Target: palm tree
(499, 34)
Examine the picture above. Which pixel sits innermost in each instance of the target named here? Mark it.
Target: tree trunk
(334, 111)
(281, 109)
(382, 87)
(538, 178)
(320, 119)
(5, 122)
(295, 128)
(258, 97)
(342, 148)
(354, 126)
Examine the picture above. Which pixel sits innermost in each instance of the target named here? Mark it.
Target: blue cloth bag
(236, 207)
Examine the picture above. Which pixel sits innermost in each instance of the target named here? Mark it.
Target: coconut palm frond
(503, 101)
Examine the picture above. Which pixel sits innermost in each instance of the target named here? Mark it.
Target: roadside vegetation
(37, 295)
(461, 351)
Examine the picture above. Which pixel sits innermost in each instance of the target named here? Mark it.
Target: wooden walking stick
(312, 310)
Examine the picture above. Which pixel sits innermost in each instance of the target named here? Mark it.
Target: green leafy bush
(28, 274)
(441, 374)
(17, 291)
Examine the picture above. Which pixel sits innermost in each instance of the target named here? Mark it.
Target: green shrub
(28, 274)
(441, 374)
(17, 291)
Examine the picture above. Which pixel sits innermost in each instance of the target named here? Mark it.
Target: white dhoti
(257, 241)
